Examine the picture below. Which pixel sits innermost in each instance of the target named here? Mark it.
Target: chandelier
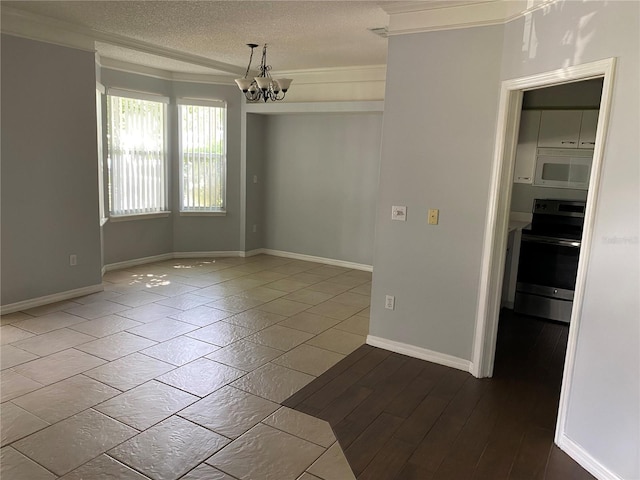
(262, 87)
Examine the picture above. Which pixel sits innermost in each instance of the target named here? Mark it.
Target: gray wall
(436, 153)
(437, 148)
(604, 409)
(49, 170)
(127, 240)
(211, 233)
(134, 239)
(256, 138)
(321, 176)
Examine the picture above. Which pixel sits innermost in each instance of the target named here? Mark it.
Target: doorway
(496, 227)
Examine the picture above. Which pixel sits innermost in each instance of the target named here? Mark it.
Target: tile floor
(177, 370)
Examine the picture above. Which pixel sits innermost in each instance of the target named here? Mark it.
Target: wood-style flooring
(400, 418)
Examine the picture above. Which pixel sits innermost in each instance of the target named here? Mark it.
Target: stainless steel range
(548, 263)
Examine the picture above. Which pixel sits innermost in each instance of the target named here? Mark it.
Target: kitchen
(550, 183)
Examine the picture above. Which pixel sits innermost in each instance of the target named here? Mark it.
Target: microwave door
(571, 172)
(562, 171)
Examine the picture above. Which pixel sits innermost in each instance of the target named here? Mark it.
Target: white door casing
(498, 213)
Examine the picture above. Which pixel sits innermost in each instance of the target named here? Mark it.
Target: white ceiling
(301, 34)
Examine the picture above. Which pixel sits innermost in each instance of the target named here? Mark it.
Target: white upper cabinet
(527, 144)
(588, 129)
(568, 129)
(560, 128)
(551, 129)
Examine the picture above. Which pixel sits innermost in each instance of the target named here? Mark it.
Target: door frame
(497, 218)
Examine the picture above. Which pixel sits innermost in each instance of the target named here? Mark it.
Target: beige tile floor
(177, 370)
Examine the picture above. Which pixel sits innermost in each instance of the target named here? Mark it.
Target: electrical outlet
(73, 260)
(255, 179)
(390, 302)
(254, 228)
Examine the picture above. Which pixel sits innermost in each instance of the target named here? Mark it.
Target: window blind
(203, 156)
(137, 157)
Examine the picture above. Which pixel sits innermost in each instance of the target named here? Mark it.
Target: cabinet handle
(569, 142)
(588, 143)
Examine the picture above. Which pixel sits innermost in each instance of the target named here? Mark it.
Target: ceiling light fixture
(262, 87)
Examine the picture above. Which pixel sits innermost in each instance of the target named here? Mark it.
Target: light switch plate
(390, 302)
(399, 213)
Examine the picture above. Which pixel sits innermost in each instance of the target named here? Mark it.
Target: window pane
(136, 162)
(203, 158)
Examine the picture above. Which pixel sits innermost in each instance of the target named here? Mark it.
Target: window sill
(221, 213)
(142, 216)
(103, 220)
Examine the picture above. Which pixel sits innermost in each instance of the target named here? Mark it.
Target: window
(203, 155)
(137, 155)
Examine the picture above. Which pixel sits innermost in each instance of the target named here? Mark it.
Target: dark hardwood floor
(399, 418)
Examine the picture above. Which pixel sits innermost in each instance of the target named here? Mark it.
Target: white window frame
(202, 211)
(100, 92)
(162, 210)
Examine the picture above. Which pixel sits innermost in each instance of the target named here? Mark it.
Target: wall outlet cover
(433, 216)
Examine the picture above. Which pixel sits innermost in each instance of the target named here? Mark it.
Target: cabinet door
(588, 129)
(560, 128)
(527, 144)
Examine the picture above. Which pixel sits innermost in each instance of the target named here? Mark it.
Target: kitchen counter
(519, 220)
(518, 225)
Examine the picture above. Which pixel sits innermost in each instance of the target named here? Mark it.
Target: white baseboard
(168, 256)
(585, 460)
(311, 258)
(421, 353)
(212, 254)
(252, 253)
(57, 297)
(235, 253)
(47, 299)
(137, 261)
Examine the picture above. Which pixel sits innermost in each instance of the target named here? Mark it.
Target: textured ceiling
(300, 34)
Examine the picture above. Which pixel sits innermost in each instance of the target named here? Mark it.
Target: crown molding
(417, 17)
(37, 27)
(417, 6)
(365, 73)
(122, 66)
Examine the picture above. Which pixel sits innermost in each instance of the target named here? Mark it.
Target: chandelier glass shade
(263, 87)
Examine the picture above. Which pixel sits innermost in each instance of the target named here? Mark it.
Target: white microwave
(563, 168)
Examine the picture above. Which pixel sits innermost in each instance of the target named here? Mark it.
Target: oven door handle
(550, 240)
